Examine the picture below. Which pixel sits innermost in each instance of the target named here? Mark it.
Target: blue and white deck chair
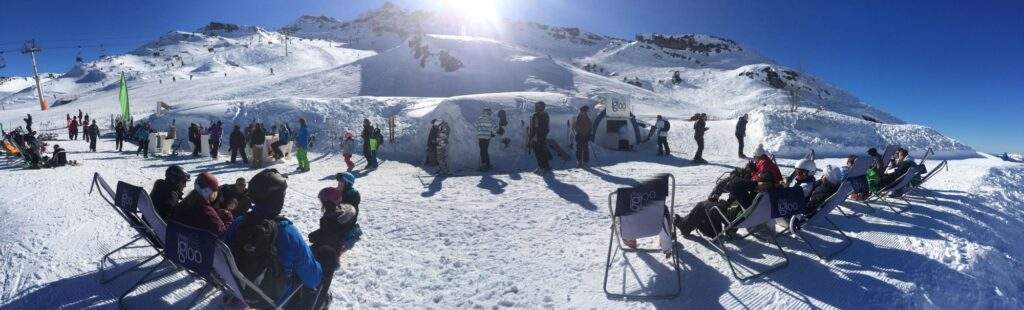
(766, 206)
(644, 211)
(797, 222)
(919, 187)
(125, 202)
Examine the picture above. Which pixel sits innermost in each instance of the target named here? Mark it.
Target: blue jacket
(302, 140)
(293, 252)
(283, 134)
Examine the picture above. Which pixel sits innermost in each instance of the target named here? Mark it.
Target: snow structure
(462, 241)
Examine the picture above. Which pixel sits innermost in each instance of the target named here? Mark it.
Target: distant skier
(582, 126)
(484, 133)
(68, 121)
(441, 150)
(302, 143)
(741, 132)
(73, 130)
(699, 127)
(119, 134)
(661, 127)
(539, 124)
(93, 132)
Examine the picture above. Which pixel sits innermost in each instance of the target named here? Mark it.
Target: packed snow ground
(521, 240)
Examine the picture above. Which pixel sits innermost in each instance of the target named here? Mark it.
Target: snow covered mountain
(391, 52)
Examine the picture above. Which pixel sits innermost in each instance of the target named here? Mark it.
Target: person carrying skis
(441, 150)
(741, 132)
(119, 135)
(661, 126)
(236, 142)
(215, 131)
(539, 124)
(302, 143)
(484, 133)
(699, 127)
(256, 141)
(93, 132)
(348, 145)
(582, 127)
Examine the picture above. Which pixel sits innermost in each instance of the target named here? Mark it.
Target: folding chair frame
(928, 193)
(796, 224)
(614, 239)
(882, 195)
(719, 243)
(142, 232)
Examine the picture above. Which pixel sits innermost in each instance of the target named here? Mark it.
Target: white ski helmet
(807, 165)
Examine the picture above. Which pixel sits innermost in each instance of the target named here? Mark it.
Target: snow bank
(831, 134)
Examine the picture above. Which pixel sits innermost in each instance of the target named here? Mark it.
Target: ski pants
(92, 144)
(303, 159)
(739, 138)
(485, 158)
(441, 155)
(214, 148)
(119, 143)
(582, 150)
(196, 148)
(663, 145)
(699, 154)
(144, 148)
(348, 161)
(257, 156)
(543, 155)
(235, 151)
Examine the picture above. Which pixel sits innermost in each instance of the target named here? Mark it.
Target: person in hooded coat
(93, 132)
(348, 146)
(119, 134)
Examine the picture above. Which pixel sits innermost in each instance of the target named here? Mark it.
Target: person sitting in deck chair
(903, 163)
(803, 176)
(741, 195)
(823, 189)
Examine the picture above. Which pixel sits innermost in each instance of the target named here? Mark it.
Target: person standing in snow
(28, 123)
(699, 127)
(68, 120)
(741, 132)
(347, 147)
(539, 124)
(216, 131)
(302, 143)
(93, 132)
(236, 142)
(195, 138)
(484, 133)
(432, 145)
(119, 133)
(376, 138)
(582, 126)
(142, 136)
(73, 130)
(661, 126)
(441, 148)
(256, 141)
(283, 137)
(365, 135)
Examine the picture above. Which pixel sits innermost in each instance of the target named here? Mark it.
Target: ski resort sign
(619, 109)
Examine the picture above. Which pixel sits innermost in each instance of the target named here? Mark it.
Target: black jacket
(741, 127)
(257, 137)
(539, 123)
(237, 139)
(165, 198)
(699, 127)
(822, 191)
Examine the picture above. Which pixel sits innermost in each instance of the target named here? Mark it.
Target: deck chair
(898, 189)
(638, 212)
(780, 203)
(919, 187)
(125, 202)
(890, 153)
(856, 178)
(797, 223)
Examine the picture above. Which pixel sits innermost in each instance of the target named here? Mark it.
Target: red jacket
(764, 164)
(197, 212)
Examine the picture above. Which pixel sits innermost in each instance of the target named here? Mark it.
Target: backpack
(254, 247)
(667, 125)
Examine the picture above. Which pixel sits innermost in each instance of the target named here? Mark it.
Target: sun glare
(483, 11)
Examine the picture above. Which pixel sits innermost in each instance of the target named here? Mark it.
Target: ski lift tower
(31, 48)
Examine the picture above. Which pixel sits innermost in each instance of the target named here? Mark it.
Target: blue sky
(956, 66)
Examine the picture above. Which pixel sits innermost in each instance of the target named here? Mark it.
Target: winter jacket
(699, 127)
(442, 135)
(806, 185)
(230, 191)
(142, 134)
(284, 134)
(215, 132)
(822, 191)
(166, 199)
(662, 126)
(484, 127)
(764, 164)
(351, 196)
(172, 132)
(74, 126)
(302, 139)
(119, 130)
(195, 211)
(741, 127)
(193, 134)
(93, 131)
(432, 136)
(582, 126)
(367, 131)
(539, 126)
(293, 253)
(258, 137)
(348, 146)
(237, 139)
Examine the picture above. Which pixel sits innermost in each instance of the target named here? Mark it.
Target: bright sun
(474, 10)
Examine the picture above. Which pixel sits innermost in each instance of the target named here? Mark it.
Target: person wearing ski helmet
(197, 208)
(168, 192)
(539, 125)
(346, 185)
(294, 256)
(804, 176)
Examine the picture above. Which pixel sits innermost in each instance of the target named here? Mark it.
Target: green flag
(123, 97)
